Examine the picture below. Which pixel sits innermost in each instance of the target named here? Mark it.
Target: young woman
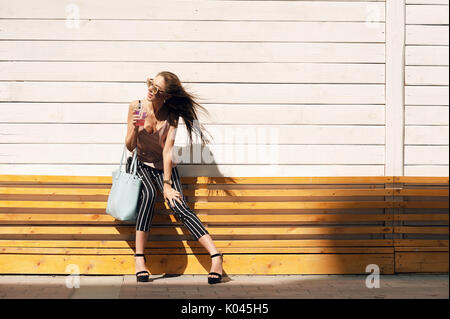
(166, 101)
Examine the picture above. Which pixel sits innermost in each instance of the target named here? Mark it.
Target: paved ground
(404, 286)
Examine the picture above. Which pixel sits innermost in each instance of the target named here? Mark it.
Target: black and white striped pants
(146, 204)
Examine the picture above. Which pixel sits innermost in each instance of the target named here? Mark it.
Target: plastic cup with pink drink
(142, 115)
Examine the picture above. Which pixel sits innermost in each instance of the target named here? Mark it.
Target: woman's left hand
(171, 195)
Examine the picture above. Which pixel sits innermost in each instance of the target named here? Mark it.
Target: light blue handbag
(124, 194)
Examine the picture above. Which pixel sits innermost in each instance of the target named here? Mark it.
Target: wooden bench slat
(238, 205)
(421, 248)
(421, 192)
(421, 217)
(213, 205)
(170, 230)
(421, 242)
(421, 179)
(421, 230)
(55, 179)
(237, 192)
(421, 261)
(184, 244)
(258, 264)
(196, 251)
(206, 192)
(164, 218)
(205, 179)
(419, 204)
(238, 180)
(54, 191)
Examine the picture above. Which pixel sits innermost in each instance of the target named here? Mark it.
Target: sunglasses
(154, 89)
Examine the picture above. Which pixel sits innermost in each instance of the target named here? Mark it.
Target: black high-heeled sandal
(142, 278)
(214, 280)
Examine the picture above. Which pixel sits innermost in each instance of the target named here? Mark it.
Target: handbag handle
(133, 166)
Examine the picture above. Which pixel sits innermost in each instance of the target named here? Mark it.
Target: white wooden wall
(426, 88)
(294, 88)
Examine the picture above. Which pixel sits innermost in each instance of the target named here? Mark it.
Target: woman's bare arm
(132, 129)
(168, 149)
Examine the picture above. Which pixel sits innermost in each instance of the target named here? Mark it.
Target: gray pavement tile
(401, 286)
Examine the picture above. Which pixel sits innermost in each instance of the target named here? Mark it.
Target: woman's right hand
(134, 120)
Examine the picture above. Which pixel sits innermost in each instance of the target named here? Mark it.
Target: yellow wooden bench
(263, 225)
(421, 244)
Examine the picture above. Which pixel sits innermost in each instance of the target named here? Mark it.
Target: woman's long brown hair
(184, 104)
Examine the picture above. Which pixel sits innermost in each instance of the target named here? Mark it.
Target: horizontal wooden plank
(194, 170)
(151, 252)
(426, 55)
(49, 191)
(426, 135)
(426, 115)
(198, 10)
(101, 206)
(186, 244)
(426, 95)
(237, 114)
(53, 179)
(408, 2)
(421, 230)
(420, 242)
(416, 249)
(426, 170)
(421, 217)
(427, 14)
(12, 218)
(230, 205)
(184, 31)
(223, 134)
(212, 154)
(193, 72)
(191, 52)
(8, 179)
(435, 170)
(208, 92)
(426, 75)
(256, 264)
(421, 192)
(426, 35)
(421, 262)
(426, 155)
(333, 192)
(122, 231)
(421, 180)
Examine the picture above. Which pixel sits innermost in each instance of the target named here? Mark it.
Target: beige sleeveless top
(150, 146)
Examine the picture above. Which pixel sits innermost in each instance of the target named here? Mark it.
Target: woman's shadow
(165, 251)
